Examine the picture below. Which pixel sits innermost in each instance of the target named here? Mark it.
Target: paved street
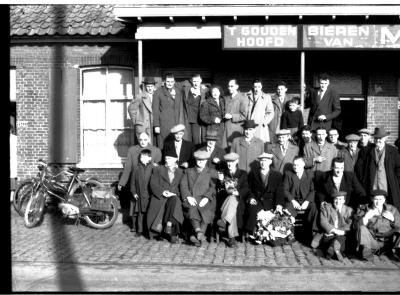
(60, 256)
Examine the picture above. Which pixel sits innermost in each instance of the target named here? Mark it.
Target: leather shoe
(195, 241)
(174, 239)
(232, 243)
(221, 225)
(138, 235)
(366, 253)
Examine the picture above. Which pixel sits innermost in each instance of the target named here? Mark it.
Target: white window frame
(89, 163)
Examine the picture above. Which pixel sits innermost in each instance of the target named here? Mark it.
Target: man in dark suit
(324, 105)
(198, 195)
(339, 180)
(298, 187)
(183, 148)
(216, 159)
(267, 191)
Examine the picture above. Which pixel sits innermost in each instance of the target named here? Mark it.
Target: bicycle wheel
(35, 209)
(22, 195)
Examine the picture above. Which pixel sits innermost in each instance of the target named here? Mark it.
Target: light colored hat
(364, 130)
(265, 156)
(201, 155)
(283, 132)
(177, 128)
(352, 137)
(231, 157)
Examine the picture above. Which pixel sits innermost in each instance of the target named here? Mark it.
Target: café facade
(74, 69)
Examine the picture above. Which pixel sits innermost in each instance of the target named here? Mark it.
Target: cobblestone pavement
(59, 240)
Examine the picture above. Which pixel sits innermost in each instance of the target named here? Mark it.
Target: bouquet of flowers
(274, 228)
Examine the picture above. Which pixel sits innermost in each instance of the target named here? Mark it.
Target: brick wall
(383, 111)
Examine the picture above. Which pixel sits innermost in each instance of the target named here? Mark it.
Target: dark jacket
(209, 111)
(349, 160)
(140, 186)
(392, 168)
(216, 153)
(200, 185)
(298, 189)
(272, 194)
(186, 154)
(192, 104)
(349, 184)
(244, 193)
(329, 106)
(282, 162)
(328, 216)
(159, 182)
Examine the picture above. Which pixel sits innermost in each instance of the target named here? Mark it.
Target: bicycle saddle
(76, 169)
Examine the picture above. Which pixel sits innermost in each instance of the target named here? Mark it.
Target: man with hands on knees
(378, 227)
(198, 195)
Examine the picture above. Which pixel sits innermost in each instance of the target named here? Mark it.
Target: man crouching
(198, 196)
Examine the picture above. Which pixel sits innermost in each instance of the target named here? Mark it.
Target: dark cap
(170, 153)
(380, 132)
(378, 192)
(212, 135)
(249, 124)
(149, 80)
(336, 194)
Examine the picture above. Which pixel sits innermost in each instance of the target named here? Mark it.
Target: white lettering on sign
(337, 31)
(338, 42)
(231, 30)
(388, 37)
(259, 42)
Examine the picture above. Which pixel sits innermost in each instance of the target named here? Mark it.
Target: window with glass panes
(106, 129)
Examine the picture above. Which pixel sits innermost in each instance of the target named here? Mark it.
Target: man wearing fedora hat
(248, 147)
(382, 167)
(140, 109)
(199, 196)
(216, 159)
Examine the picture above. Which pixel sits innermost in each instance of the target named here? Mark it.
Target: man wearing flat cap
(335, 220)
(216, 159)
(183, 148)
(365, 138)
(267, 191)
(164, 215)
(233, 194)
(378, 227)
(248, 147)
(140, 110)
(199, 196)
(382, 168)
(350, 153)
(284, 151)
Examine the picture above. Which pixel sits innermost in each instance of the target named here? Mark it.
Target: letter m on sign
(389, 37)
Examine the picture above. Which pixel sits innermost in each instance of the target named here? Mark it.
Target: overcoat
(305, 192)
(312, 150)
(349, 184)
(200, 185)
(132, 161)
(329, 106)
(349, 160)
(328, 216)
(270, 195)
(159, 182)
(141, 113)
(262, 112)
(244, 194)
(237, 107)
(216, 153)
(248, 152)
(167, 112)
(140, 186)
(392, 168)
(282, 162)
(279, 108)
(186, 153)
(209, 111)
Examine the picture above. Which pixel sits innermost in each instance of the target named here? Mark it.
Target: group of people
(205, 159)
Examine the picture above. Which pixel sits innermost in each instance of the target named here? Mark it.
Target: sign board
(259, 36)
(351, 36)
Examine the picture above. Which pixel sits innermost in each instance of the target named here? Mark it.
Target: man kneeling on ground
(335, 221)
(378, 227)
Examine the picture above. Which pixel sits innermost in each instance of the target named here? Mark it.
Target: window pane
(122, 140)
(94, 145)
(118, 115)
(120, 83)
(94, 84)
(94, 115)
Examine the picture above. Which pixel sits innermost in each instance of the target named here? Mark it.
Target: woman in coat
(212, 112)
(165, 208)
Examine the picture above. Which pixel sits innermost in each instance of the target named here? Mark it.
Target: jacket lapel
(147, 103)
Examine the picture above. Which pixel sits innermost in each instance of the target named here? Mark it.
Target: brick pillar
(383, 111)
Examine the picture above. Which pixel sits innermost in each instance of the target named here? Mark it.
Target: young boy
(293, 118)
(140, 193)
